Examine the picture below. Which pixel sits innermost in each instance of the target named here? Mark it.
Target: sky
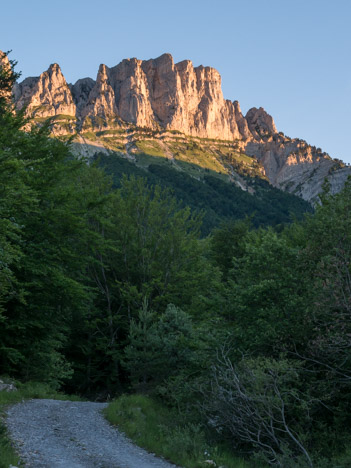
(291, 57)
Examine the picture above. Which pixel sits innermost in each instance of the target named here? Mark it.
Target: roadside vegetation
(23, 392)
(235, 339)
(163, 431)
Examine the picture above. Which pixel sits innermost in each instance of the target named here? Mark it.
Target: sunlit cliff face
(161, 95)
(156, 93)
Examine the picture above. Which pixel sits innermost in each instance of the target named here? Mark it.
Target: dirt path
(65, 434)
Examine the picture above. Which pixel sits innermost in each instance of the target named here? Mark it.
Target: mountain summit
(153, 93)
(161, 95)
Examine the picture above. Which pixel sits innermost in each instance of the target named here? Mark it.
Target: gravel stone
(65, 434)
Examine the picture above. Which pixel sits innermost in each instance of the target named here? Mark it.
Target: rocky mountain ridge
(155, 94)
(161, 95)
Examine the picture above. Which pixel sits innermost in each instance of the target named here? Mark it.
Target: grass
(114, 145)
(63, 117)
(110, 133)
(217, 156)
(25, 391)
(193, 155)
(89, 135)
(153, 148)
(56, 118)
(193, 152)
(160, 430)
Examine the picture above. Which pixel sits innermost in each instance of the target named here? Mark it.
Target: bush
(255, 404)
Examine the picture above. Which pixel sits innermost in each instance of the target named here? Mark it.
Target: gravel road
(65, 434)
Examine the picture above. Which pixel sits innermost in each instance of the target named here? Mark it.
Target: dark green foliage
(267, 294)
(52, 245)
(158, 346)
(45, 240)
(14, 193)
(218, 200)
(8, 77)
(228, 242)
(288, 296)
(150, 251)
(158, 253)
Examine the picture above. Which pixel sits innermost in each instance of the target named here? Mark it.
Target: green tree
(150, 250)
(327, 258)
(153, 251)
(47, 197)
(228, 242)
(159, 346)
(267, 294)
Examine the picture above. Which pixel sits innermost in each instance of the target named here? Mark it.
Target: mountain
(157, 104)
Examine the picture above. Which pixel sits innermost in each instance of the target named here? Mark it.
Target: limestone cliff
(47, 95)
(162, 95)
(155, 93)
(81, 91)
(260, 123)
(295, 166)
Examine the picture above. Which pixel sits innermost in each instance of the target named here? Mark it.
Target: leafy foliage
(158, 347)
(219, 201)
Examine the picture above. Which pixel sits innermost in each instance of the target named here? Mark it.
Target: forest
(243, 328)
(217, 200)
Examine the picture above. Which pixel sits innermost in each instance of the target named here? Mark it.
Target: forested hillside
(113, 286)
(217, 199)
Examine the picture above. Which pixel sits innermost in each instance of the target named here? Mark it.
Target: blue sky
(291, 57)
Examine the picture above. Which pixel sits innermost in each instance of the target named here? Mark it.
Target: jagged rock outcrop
(47, 95)
(101, 99)
(189, 99)
(155, 93)
(241, 121)
(295, 166)
(160, 94)
(132, 93)
(80, 92)
(260, 123)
